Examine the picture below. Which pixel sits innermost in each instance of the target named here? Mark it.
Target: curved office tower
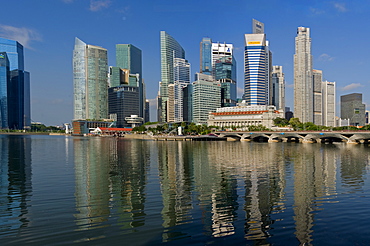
(303, 81)
(90, 80)
(170, 49)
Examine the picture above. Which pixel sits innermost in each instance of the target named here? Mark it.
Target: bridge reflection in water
(351, 137)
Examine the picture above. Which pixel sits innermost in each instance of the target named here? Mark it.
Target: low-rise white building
(242, 116)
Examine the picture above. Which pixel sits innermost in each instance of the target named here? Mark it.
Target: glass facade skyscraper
(206, 56)
(129, 57)
(226, 75)
(170, 49)
(18, 86)
(4, 78)
(90, 79)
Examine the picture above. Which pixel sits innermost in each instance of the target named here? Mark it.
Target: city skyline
(333, 26)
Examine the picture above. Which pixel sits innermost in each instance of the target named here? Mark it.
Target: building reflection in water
(128, 178)
(228, 187)
(91, 158)
(175, 170)
(15, 182)
(110, 178)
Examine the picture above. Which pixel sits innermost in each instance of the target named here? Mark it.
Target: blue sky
(339, 30)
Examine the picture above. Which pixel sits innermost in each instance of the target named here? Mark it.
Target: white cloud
(96, 5)
(21, 34)
(351, 87)
(316, 11)
(289, 85)
(326, 57)
(341, 7)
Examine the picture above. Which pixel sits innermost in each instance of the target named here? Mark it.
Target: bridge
(350, 137)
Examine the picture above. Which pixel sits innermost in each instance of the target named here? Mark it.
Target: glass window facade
(4, 78)
(90, 78)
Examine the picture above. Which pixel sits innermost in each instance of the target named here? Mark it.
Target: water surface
(68, 190)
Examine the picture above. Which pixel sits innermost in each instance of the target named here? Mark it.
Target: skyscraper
(303, 83)
(225, 74)
(90, 79)
(206, 56)
(328, 103)
(170, 49)
(278, 88)
(220, 50)
(257, 67)
(317, 97)
(352, 108)
(129, 57)
(206, 97)
(18, 86)
(175, 90)
(4, 80)
(123, 95)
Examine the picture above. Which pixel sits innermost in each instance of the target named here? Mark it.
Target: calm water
(57, 190)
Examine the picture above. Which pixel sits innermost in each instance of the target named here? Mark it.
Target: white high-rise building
(328, 103)
(175, 90)
(317, 97)
(278, 88)
(303, 83)
(257, 67)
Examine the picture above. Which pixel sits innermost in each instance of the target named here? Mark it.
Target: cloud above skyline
(326, 57)
(21, 34)
(351, 87)
(97, 5)
(341, 7)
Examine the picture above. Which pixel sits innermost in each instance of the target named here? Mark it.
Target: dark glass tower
(129, 57)
(18, 86)
(206, 56)
(4, 81)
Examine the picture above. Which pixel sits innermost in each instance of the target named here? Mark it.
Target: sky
(47, 29)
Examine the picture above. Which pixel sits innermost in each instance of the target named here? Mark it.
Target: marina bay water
(57, 190)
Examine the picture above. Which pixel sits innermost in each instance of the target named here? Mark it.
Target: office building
(257, 67)
(352, 108)
(278, 88)
(220, 50)
(170, 49)
(225, 74)
(175, 90)
(123, 95)
(123, 102)
(18, 86)
(328, 104)
(206, 97)
(206, 56)
(4, 81)
(317, 97)
(147, 111)
(129, 57)
(303, 82)
(90, 80)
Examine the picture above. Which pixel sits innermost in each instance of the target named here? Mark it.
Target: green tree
(281, 121)
(295, 123)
